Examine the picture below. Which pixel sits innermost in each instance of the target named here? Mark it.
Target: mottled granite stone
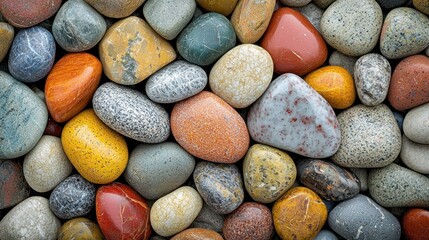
(175, 82)
(32, 54)
(23, 117)
(7, 33)
(13, 187)
(340, 59)
(416, 124)
(131, 113)
(292, 116)
(313, 13)
(415, 156)
(208, 219)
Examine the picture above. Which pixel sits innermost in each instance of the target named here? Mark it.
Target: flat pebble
(355, 32)
(396, 186)
(415, 223)
(116, 8)
(224, 7)
(362, 175)
(415, 156)
(362, 218)
(340, 59)
(197, 234)
(306, 123)
(326, 235)
(131, 113)
(7, 33)
(24, 13)
(388, 4)
(416, 124)
(79, 228)
(175, 82)
(295, 3)
(313, 13)
(370, 137)
(13, 186)
(208, 219)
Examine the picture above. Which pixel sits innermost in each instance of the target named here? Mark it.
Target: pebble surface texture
(13, 186)
(340, 59)
(415, 223)
(416, 124)
(77, 26)
(370, 137)
(197, 234)
(404, 33)
(422, 6)
(73, 197)
(175, 82)
(352, 26)
(23, 117)
(24, 13)
(224, 7)
(326, 235)
(30, 219)
(415, 156)
(79, 228)
(115, 8)
(7, 33)
(131, 113)
(396, 186)
(313, 13)
(362, 218)
(208, 219)
(292, 116)
(32, 54)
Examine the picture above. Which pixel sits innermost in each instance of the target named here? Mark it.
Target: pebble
(220, 185)
(53, 128)
(180, 207)
(323, 3)
(268, 173)
(405, 39)
(46, 165)
(122, 213)
(131, 113)
(388, 4)
(340, 59)
(13, 186)
(295, 3)
(313, 13)
(328, 180)
(405, 94)
(370, 137)
(299, 214)
(422, 6)
(77, 26)
(97, 152)
(294, 43)
(175, 82)
(399, 119)
(208, 128)
(292, 116)
(250, 220)
(24, 13)
(158, 169)
(167, 17)
(325, 235)
(335, 84)
(79, 228)
(73, 197)
(416, 124)
(115, 8)
(362, 218)
(32, 54)
(23, 117)
(208, 219)
(250, 19)
(224, 7)
(206, 39)
(352, 32)
(415, 156)
(30, 219)
(362, 175)
(71, 84)
(396, 186)
(197, 234)
(131, 51)
(415, 223)
(241, 75)
(7, 33)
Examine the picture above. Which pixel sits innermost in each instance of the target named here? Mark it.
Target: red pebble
(415, 224)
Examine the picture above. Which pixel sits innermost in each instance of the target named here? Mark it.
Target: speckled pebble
(7, 33)
(416, 124)
(175, 82)
(409, 37)
(415, 156)
(370, 137)
(208, 219)
(295, 3)
(362, 218)
(340, 59)
(372, 78)
(362, 175)
(326, 235)
(131, 113)
(352, 32)
(313, 13)
(220, 186)
(396, 186)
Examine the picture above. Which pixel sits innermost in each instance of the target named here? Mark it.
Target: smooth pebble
(415, 156)
(416, 124)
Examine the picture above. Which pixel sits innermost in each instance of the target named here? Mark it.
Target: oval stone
(325, 234)
(370, 137)
(175, 82)
(249, 221)
(408, 85)
(268, 173)
(208, 219)
(79, 228)
(295, 3)
(13, 186)
(220, 186)
(210, 129)
(328, 180)
(294, 43)
(353, 33)
(340, 59)
(206, 39)
(97, 152)
(362, 218)
(396, 186)
(180, 207)
(292, 116)
(23, 117)
(241, 75)
(416, 124)
(30, 219)
(299, 214)
(323, 3)
(7, 33)
(158, 169)
(71, 84)
(115, 8)
(415, 156)
(422, 6)
(32, 54)
(121, 212)
(77, 26)
(224, 7)
(24, 13)
(415, 223)
(197, 234)
(313, 13)
(131, 113)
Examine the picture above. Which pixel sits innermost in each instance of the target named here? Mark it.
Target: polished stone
(79, 228)
(415, 156)
(197, 234)
(415, 224)
(416, 124)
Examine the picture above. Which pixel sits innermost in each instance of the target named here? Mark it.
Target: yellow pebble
(224, 7)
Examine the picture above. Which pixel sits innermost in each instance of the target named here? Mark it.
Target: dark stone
(13, 187)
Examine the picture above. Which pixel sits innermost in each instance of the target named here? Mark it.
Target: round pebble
(208, 219)
(362, 175)
(224, 7)
(326, 235)
(340, 59)
(415, 223)
(313, 13)
(7, 33)
(197, 234)
(388, 4)
(416, 124)
(13, 186)
(323, 3)
(115, 8)
(415, 156)
(295, 3)
(24, 13)
(79, 228)
(422, 6)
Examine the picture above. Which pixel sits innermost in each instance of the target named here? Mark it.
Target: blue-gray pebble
(326, 235)
(32, 54)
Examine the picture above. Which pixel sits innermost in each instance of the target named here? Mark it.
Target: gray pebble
(391, 3)
(323, 3)
(295, 3)
(399, 119)
(313, 13)
(415, 156)
(208, 219)
(326, 235)
(416, 124)
(362, 175)
(340, 59)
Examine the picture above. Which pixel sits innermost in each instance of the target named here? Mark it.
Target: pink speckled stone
(208, 128)
(292, 116)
